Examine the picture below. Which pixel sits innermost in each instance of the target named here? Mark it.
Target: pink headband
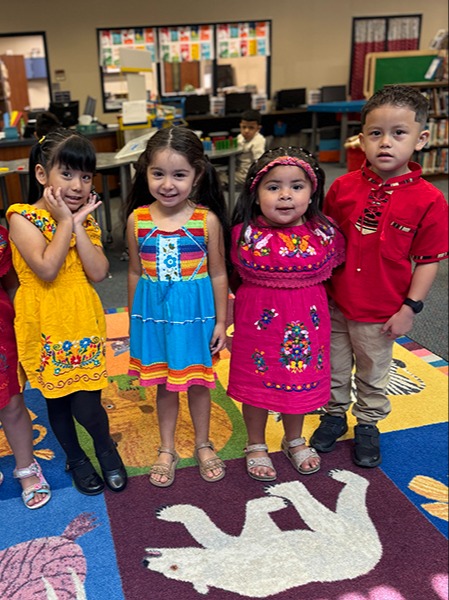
(287, 160)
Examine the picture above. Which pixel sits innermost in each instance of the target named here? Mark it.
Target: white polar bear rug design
(338, 545)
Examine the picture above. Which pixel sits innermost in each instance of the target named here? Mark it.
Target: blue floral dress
(280, 349)
(173, 313)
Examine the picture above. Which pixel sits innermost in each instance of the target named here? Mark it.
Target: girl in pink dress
(283, 249)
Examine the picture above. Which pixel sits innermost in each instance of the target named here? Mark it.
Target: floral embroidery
(267, 316)
(296, 245)
(315, 317)
(41, 221)
(325, 233)
(168, 259)
(70, 354)
(259, 361)
(3, 244)
(255, 241)
(319, 361)
(296, 352)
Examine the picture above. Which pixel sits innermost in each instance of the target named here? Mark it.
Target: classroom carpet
(344, 533)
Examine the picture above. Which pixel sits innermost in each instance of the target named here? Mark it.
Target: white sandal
(42, 487)
(298, 458)
(260, 461)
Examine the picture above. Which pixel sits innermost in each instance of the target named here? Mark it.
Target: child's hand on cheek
(55, 204)
(92, 204)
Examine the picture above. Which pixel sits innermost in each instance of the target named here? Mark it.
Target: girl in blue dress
(177, 288)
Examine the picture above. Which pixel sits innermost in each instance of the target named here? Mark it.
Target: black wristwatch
(415, 305)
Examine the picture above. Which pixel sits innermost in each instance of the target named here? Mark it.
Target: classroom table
(340, 107)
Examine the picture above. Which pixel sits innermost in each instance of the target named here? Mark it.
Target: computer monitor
(197, 104)
(293, 98)
(235, 104)
(67, 112)
(89, 107)
(333, 93)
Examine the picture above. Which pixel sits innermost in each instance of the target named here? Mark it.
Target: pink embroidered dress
(281, 344)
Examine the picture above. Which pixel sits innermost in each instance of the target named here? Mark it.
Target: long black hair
(247, 209)
(60, 147)
(208, 190)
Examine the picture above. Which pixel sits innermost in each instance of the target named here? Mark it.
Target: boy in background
(391, 218)
(250, 141)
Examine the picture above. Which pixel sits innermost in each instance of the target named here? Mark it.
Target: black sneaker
(85, 478)
(326, 435)
(113, 469)
(366, 451)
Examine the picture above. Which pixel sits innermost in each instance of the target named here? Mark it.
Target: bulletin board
(384, 68)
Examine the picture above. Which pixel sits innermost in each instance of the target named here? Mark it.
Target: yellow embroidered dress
(60, 325)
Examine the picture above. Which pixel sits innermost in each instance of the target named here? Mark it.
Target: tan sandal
(298, 458)
(210, 463)
(42, 487)
(167, 471)
(260, 461)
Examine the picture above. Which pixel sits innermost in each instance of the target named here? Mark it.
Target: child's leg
(90, 413)
(309, 459)
(167, 403)
(199, 406)
(256, 422)
(19, 433)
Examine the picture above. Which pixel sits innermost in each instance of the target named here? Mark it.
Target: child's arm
(219, 278)
(44, 259)
(10, 283)
(93, 259)
(402, 321)
(134, 264)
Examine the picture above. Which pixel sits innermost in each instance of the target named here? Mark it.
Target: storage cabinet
(19, 98)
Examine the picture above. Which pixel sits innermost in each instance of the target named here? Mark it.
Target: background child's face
(389, 137)
(248, 129)
(283, 195)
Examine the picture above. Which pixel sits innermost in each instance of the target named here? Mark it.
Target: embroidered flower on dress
(315, 317)
(320, 360)
(70, 354)
(296, 353)
(267, 316)
(296, 245)
(256, 241)
(259, 361)
(325, 233)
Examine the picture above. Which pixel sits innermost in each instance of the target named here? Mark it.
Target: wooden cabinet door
(18, 81)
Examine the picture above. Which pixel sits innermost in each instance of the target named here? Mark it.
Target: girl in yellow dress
(60, 325)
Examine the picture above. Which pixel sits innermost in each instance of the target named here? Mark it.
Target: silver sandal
(42, 487)
(260, 461)
(210, 463)
(298, 458)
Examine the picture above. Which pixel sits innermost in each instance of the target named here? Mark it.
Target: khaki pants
(362, 345)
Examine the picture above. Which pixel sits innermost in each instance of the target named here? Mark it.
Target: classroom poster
(250, 38)
(139, 38)
(181, 43)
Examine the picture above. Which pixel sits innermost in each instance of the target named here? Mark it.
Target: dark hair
(251, 115)
(247, 210)
(60, 147)
(46, 122)
(400, 96)
(182, 140)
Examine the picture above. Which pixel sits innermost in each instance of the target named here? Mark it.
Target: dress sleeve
(5, 252)
(93, 231)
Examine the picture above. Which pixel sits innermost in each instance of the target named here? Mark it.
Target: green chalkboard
(401, 69)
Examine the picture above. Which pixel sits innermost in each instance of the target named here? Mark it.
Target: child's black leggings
(87, 409)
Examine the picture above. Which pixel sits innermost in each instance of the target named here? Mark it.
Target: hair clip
(42, 139)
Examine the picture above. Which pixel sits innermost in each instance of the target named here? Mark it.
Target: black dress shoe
(85, 478)
(113, 469)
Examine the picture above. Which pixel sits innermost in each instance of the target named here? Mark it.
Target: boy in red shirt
(391, 218)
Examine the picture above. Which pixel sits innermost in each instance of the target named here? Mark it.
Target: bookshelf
(434, 156)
